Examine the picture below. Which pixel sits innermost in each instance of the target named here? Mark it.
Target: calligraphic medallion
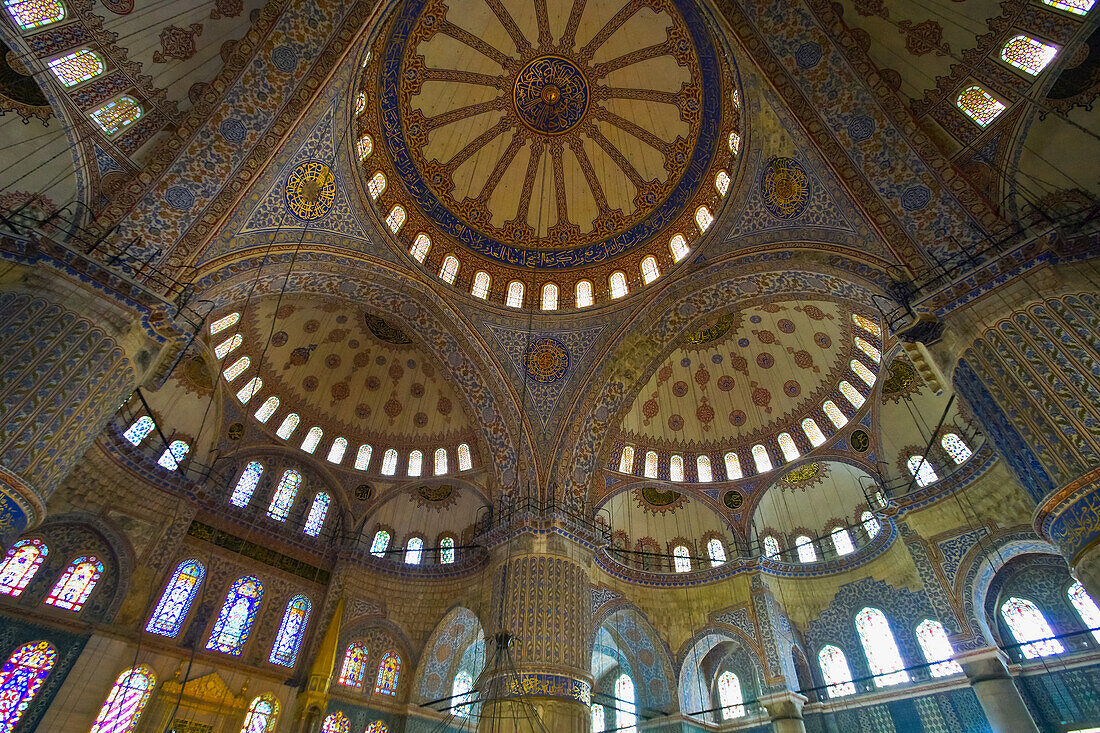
(786, 188)
(550, 95)
(310, 190)
(545, 360)
(860, 441)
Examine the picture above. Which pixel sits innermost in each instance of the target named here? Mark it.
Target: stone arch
(704, 657)
(624, 630)
(458, 641)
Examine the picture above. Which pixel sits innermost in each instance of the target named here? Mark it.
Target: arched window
(364, 147)
(230, 344)
(141, 428)
(246, 484)
(465, 461)
(702, 469)
(599, 724)
(416, 463)
(262, 714)
(175, 602)
(842, 541)
(805, 548)
(853, 395)
(440, 462)
(870, 524)
(414, 550)
(735, 142)
(729, 696)
(448, 271)
(549, 297)
(922, 470)
(380, 543)
(651, 464)
(34, 13)
(582, 293)
(626, 460)
(20, 679)
(289, 425)
(125, 701)
(515, 294)
(979, 105)
(313, 438)
(722, 182)
(733, 466)
(289, 639)
(867, 324)
(617, 284)
(420, 247)
(447, 550)
(786, 444)
(879, 647)
(761, 458)
(703, 218)
(481, 285)
(235, 620)
(75, 584)
(117, 114)
(389, 462)
(377, 727)
(936, 648)
(681, 559)
(716, 551)
(176, 451)
(626, 717)
(460, 693)
(250, 388)
(388, 671)
(863, 372)
(676, 468)
(355, 665)
(360, 103)
(20, 564)
(650, 270)
(336, 452)
(771, 547)
(285, 493)
(678, 246)
(834, 668)
(868, 349)
(317, 511)
(362, 458)
(377, 185)
(1086, 608)
(224, 322)
(1029, 628)
(335, 723)
(812, 431)
(1077, 7)
(836, 417)
(956, 447)
(267, 409)
(1028, 54)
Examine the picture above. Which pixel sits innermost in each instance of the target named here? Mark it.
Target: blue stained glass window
(335, 723)
(1027, 624)
(137, 432)
(317, 512)
(246, 484)
(176, 600)
(34, 13)
(284, 495)
(956, 447)
(176, 451)
(414, 550)
(291, 631)
(20, 679)
(20, 565)
(236, 617)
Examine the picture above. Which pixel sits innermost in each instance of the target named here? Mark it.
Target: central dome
(550, 95)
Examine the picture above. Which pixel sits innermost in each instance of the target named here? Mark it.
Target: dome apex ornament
(550, 95)
(310, 190)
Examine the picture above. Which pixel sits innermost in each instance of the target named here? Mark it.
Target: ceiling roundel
(554, 134)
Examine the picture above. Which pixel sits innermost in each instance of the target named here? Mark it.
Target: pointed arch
(388, 670)
(21, 563)
(126, 701)
(293, 627)
(231, 630)
(76, 584)
(285, 493)
(835, 670)
(176, 600)
(880, 648)
(354, 666)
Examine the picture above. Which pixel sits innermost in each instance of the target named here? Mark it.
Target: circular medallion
(860, 441)
(785, 188)
(236, 431)
(310, 190)
(363, 492)
(733, 499)
(550, 95)
(545, 360)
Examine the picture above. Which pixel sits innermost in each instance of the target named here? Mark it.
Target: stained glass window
(678, 246)
(236, 617)
(956, 447)
(290, 423)
(979, 105)
(262, 714)
(812, 431)
(515, 294)
(285, 493)
(34, 13)
(626, 716)
(722, 182)
(716, 551)
(836, 417)
(176, 451)
(360, 103)
(75, 584)
(863, 372)
(870, 524)
(123, 706)
(364, 147)
(439, 466)
(650, 270)
(733, 466)
(20, 679)
(141, 428)
(842, 541)
(729, 696)
(388, 671)
(806, 550)
(617, 284)
(834, 668)
(598, 721)
(447, 550)
(922, 470)
(853, 395)
(735, 142)
(362, 458)
(313, 438)
(626, 459)
(1077, 7)
(414, 551)
(1086, 608)
(761, 458)
(20, 564)
(380, 543)
(246, 484)
(396, 218)
(224, 322)
(228, 345)
(460, 690)
(786, 444)
(936, 648)
(583, 293)
(420, 247)
(549, 297)
(335, 723)
(76, 67)
(293, 627)
(703, 218)
(771, 547)
(389, 462)
(702, 469)
(465, 462)
(251, 387)
(867, 324)
(416, 463)
(377, 727)
(176, 600)
(377, 185)
(651, 464)
(676, 468)
(317, 511)
(267, 409)
(681, 559)
(883, 657)
(336, 452)
(1028, 54)
(482, 283)
(354, 666)
(449, 270)
(868, 349)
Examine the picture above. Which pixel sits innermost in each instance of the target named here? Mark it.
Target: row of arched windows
(413, 553)
(354, 669)
(806, 547)
(73, 586)
(171, 457)
(282, 498)
(923, 469)
(1030, 629)
(338, 723)
(622, 715)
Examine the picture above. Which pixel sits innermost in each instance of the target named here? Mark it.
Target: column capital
(982, 664)
(783, 705)
(1070, 516)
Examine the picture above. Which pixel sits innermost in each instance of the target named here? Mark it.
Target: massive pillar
(996, 692)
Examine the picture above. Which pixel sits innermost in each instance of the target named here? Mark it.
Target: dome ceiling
(812, 498)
